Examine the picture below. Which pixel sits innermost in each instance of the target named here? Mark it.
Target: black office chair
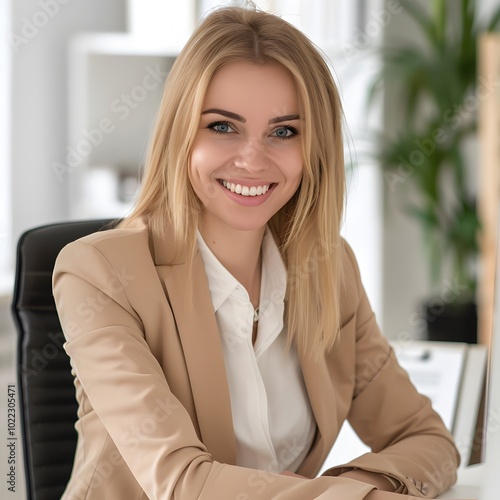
(48, 409)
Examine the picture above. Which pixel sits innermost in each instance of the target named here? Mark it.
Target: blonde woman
(220, 335)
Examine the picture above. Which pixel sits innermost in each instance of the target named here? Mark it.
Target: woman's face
(246, 161)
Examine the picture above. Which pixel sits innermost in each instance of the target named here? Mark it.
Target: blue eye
(286, 132)
(220, 127)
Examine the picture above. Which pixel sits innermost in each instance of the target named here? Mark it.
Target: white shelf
(123, 44)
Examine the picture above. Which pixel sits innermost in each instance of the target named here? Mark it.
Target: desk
(468, 484)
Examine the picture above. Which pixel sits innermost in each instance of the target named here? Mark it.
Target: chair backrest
(48, 408)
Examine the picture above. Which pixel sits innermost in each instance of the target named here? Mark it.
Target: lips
(245, 190)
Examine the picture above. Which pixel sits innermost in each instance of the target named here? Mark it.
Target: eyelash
(294, 131)
(211, 126)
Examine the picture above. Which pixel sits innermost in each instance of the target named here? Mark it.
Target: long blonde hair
(307, 227)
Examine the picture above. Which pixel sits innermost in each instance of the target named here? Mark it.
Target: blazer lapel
(194, 315)
(200, 339)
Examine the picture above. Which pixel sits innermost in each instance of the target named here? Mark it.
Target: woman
(220, 335)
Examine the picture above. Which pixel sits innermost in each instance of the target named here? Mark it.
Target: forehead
(249, 88)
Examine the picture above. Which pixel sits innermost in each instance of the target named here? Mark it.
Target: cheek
(298, 169)
(197, 161)
(194, 173)
(199, 165)
(206, 157)
(199, 170)
(295, 167)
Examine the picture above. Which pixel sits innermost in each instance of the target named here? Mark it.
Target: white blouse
(272, 417)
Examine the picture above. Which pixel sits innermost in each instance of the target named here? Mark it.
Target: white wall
(39, 41)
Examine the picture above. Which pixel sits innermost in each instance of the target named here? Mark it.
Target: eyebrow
(235, 116)
(228, 114)
(284, 118)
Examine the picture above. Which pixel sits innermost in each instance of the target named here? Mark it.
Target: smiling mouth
(246, 190)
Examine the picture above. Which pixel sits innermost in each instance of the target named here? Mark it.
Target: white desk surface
(468, 485)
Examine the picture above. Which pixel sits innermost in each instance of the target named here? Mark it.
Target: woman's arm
(381, 482)
(410, 443)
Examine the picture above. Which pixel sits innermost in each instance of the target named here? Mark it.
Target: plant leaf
(422, 19)
(494, 22)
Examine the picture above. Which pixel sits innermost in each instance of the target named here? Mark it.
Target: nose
(251, 156)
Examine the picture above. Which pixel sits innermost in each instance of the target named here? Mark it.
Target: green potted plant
(435, 88)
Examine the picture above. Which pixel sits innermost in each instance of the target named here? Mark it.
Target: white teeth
(245, 190)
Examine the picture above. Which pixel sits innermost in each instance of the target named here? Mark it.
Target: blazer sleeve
(409, 441)
(126, 387)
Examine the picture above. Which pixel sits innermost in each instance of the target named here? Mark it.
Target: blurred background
(80, 82)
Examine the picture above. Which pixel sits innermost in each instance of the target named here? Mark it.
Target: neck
(238, 251)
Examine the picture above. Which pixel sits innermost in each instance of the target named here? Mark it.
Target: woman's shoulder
(351, 287)
(114, 244)
(351, 278)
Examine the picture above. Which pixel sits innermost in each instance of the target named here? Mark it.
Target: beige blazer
(154, 418)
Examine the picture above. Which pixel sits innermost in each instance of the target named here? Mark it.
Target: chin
(247, 225)
(250, 227)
